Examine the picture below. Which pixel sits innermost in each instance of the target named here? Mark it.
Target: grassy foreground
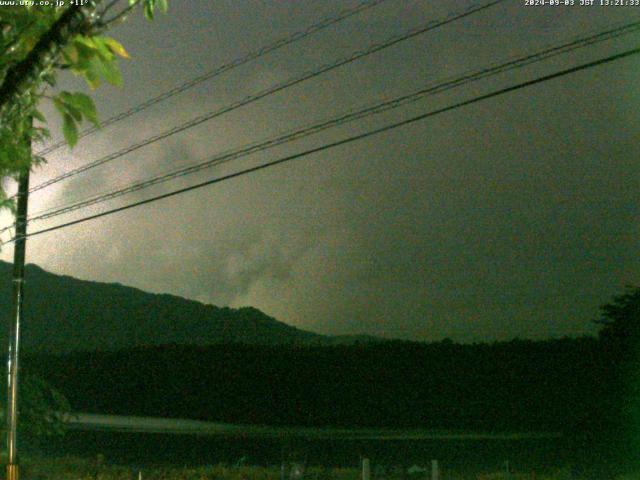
(71, 468)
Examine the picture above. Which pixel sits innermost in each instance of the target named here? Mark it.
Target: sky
(513, 217)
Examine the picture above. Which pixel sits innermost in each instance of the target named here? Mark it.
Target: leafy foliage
(79, 47)
(36, 42)
(41, 409)
(620, 341)
(151, 5)
(621, 319)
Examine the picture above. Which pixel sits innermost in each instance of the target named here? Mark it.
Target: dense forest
(567, 386)
(518, 385)
(251, 369)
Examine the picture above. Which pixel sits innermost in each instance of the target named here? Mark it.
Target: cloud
(516, 216)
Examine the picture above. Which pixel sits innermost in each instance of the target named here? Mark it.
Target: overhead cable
(344, 141)
(376, 47)
(272, 47)
(445, 85)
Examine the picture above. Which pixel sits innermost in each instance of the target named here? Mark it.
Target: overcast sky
(513, 217)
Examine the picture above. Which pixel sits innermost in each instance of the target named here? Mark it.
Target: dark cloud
(513, 217)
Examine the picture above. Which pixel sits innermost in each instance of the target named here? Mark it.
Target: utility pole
(14, 325)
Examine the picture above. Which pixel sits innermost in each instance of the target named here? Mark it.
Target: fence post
(366, 469)
(435, 472)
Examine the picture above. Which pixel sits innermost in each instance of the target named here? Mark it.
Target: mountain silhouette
(65, 314)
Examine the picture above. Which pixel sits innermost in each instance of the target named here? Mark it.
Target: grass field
(72, 468)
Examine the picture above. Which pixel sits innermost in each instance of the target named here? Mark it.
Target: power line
(376, 47)
(377, 108)
(344, 141)
(493, 69)
(280, 43)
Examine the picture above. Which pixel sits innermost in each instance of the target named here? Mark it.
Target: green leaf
(108, 70)
(4, 158)
(163, 5)
(85, 104)
(59, 104)
(74, 112)
(116, 47)
(85, 56)
(37, 114)
(77, 106)
(8, 203)
(19, 156)
(103, 48)
(88, 42)
(38, 160)
(71, 54)
(148, 9)
(64, 103)
(85, 52)
(37, 134)
(50, 78)
(92, 77)
(69, 129)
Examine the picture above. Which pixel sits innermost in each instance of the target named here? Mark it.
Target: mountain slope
(63, 314)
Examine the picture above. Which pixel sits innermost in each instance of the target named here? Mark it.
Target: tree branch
(11, 45)
(108, 7)
(25, 74)
(121, 16)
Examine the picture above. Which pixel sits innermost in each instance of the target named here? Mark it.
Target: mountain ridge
(64, 314)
